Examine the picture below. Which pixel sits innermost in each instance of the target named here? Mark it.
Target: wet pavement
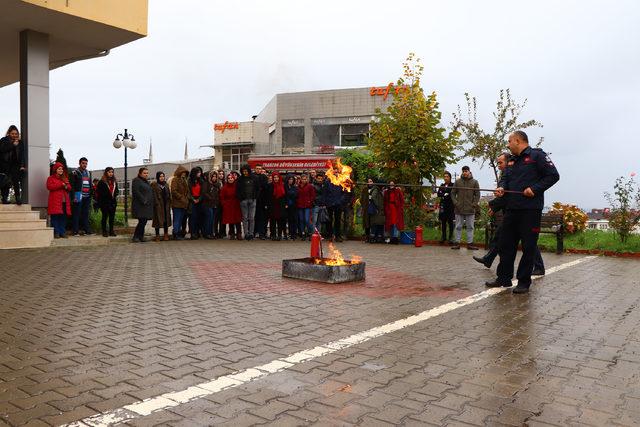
(89, 331)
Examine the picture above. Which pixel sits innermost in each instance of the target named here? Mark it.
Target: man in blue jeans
(465, 197)
(81, 203)
(247, 192)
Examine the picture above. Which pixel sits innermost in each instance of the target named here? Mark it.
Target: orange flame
(343, 178)
(336, 258)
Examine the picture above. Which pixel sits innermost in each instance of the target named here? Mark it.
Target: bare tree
(483, 146)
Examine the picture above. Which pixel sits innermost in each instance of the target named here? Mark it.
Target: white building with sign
(297, 131)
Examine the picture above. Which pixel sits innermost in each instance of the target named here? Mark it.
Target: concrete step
(94, 240)
(26, 238)
(20, 224)
(17, 215)
(15, 208)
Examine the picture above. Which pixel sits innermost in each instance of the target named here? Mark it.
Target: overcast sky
(577, 63)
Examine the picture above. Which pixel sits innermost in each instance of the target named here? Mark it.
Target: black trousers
(292, 220)
(490, 256)
(261, 219)
(139, 231)
(219, 228)
(519, 226)
(335, 220)
(444, 223)
(107, 215)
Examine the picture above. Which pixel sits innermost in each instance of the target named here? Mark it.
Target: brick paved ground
(83, 331)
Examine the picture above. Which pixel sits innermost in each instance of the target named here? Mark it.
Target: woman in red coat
(394, 211)
(59, 205)
(231, 213)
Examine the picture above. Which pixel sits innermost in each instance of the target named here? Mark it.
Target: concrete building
(40, 35)
(303, 128)
(37, 36)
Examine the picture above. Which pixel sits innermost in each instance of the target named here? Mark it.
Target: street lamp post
(128, 141)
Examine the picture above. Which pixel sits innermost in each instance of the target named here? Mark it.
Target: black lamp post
(128, 141)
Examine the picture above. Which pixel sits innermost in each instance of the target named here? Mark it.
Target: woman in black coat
(107, 194)
(141, 203)
(446, 213)
(12, 164)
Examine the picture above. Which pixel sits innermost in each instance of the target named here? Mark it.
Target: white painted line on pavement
(168, 400)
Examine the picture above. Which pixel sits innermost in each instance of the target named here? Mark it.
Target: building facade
(302, 128)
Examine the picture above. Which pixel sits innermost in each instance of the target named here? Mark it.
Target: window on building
(325, 137)
(233, 158)
(354, 135)
(293, 140)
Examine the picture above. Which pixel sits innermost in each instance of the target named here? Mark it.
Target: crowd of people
(244, 205)
(257, 204)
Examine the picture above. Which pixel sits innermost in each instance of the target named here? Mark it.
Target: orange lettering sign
(385, 90)
(226, 125)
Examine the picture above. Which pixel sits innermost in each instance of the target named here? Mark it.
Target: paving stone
(160, 318)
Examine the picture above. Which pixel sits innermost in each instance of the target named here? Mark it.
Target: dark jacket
(141, 198)
(319, 200)
(11, 157)
(76, 180)
(446, 203)
(532, 168)
(106, 200)
(263, 191)
(161, 205)
(210, 194)
(333, 195)
(465, 202)
(247, 187)
(498, 205)
(290, 194)
(368, 195)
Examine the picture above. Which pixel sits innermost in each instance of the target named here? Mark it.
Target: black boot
(482, 261)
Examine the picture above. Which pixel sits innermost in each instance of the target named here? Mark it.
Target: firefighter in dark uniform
(531, 172)
(497, 207)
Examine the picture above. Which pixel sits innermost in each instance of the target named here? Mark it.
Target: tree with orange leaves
(408, 140)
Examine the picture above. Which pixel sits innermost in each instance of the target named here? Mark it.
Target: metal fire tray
(307, 269)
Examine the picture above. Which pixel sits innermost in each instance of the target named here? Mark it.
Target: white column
(34, 114)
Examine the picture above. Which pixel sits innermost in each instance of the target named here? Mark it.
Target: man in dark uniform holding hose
(530, 172)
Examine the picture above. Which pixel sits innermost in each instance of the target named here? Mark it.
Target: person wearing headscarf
(276, 206)
(197, 213)
(210, 203)
(291, 211)
(394, 211)
(231, 213)
(179, 190)
(59, 204)
(161, 205)
(373, 218)
(141, 203)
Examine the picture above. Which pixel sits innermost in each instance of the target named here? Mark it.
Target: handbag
(372, 209)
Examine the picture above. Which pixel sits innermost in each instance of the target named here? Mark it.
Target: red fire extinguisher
(315, 245)
(419, 236)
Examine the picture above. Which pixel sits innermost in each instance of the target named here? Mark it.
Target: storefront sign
(226, 125)
(283, 163)
(292, 123)
(385, 91)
